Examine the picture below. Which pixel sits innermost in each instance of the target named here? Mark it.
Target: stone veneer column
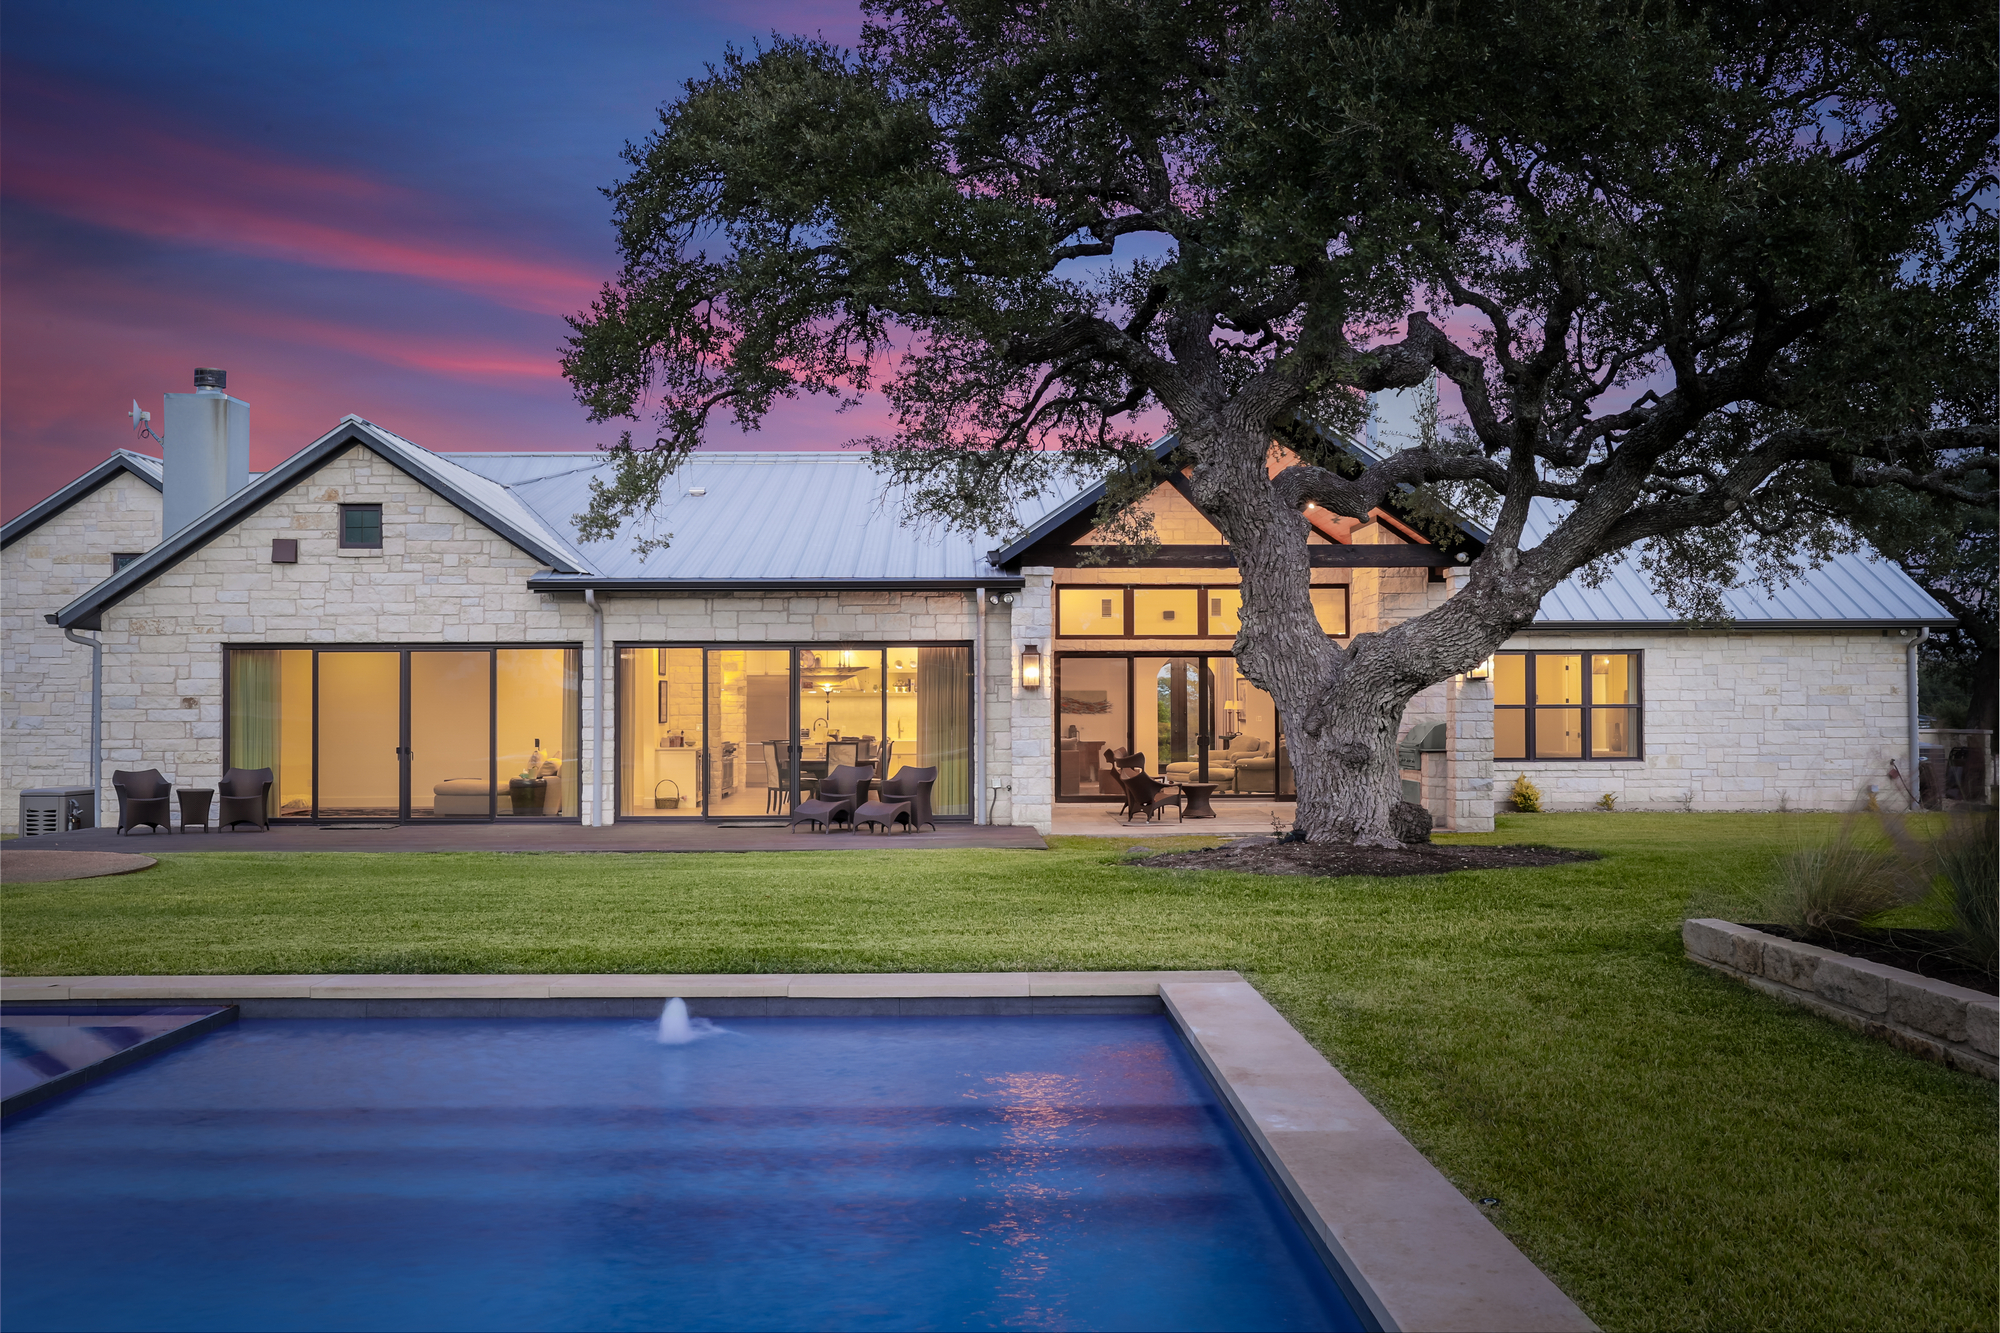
(1033, 749)
(1469, 755)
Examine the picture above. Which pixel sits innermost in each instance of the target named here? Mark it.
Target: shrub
(1608, 801)
(1527, 796)
(1835, 886)
(1968, 871)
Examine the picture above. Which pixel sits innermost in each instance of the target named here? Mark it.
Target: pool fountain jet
(677, 1029)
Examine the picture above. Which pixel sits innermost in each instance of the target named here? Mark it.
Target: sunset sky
(364, 207)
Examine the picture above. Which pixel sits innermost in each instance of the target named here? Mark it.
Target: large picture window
(1566, 706)
(1110, 611)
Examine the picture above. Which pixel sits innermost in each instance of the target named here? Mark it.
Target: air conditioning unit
(57, 810)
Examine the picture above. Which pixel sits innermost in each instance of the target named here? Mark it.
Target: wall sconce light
(1484, 671)
(1031, 667)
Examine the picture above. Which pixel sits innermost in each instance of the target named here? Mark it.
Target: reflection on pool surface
(795, 1173)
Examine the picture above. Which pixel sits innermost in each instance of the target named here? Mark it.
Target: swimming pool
(866, 1173)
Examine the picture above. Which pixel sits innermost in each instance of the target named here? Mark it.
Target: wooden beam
(1222, 557)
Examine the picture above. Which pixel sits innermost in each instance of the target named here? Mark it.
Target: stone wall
(1934, 1019)
(44, 678)
(440, 577)
(1739, 721)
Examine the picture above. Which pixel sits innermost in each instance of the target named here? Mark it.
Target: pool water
(792, 1173)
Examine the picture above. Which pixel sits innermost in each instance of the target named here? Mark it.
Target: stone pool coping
(1413, 1252)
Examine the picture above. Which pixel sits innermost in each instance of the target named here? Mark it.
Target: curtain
(944, 725)
(572, 741)
(253, 711)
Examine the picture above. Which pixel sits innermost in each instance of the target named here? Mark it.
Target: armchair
(839, 793)
(905, 797)
(144, 797)
(245, 795)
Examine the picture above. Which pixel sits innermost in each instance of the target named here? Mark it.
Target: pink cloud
(181, 188)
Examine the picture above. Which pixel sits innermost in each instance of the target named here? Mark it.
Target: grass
(1676, 1150)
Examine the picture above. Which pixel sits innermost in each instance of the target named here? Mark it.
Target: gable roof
(1855, 590)
(146, 469)
(480, 498)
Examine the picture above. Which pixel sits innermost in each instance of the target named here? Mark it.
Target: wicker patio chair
(144, 797)
(245, 797)
(839, 793)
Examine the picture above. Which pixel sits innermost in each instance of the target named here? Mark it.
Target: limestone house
(402, 635)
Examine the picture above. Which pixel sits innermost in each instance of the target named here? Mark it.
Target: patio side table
(1197, 800)
(194, 806)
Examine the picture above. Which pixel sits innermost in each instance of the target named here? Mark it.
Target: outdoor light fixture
(1484, 671)
(1031, 667)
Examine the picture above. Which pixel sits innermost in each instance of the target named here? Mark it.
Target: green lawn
(1675, 1150)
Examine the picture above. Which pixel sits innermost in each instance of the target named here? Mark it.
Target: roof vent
(697, 490)
(208, 377)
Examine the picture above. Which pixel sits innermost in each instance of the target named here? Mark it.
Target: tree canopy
(1638, 238)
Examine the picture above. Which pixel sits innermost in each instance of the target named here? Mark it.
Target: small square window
(361, 527)
(120, 559)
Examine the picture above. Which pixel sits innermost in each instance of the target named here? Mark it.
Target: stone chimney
(207, 449)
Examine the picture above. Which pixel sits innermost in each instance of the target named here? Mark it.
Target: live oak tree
(1617, 228)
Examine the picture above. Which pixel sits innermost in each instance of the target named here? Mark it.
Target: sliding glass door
(409, 733)
(746, 733)
(1190, 718)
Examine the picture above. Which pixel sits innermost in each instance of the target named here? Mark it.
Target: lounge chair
(144, 797)
(905, 798)
(1146, 795)
(839, 793)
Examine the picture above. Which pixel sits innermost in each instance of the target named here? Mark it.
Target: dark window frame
(120, 559)
(1589, 707)
(374, 509)
(1201, 591)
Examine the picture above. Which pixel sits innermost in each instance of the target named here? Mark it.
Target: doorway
(381, 734)
(1188, 717)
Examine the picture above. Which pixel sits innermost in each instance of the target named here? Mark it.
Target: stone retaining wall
(1934, 1019)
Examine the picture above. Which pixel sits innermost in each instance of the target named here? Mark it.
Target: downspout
(1916, 749)
(980, 740)
(96, 647)
(596, 709)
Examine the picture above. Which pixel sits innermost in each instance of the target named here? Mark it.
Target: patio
(524, 836)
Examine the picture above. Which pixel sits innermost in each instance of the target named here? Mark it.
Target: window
(1566, 705)
(1096, 611)
(120, 559)
(361, 527)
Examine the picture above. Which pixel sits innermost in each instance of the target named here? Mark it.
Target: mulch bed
(1265, 857)
(1928, 953)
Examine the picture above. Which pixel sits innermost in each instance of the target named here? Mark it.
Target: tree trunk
(1341, 705)
(1347, 775)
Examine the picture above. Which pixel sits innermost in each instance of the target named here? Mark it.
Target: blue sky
(372, 208)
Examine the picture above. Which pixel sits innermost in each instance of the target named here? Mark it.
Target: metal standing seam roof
(817, 518)
(1853, 588)
(763, 518)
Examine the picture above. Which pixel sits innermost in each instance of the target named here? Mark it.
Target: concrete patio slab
(507, 835)
(38, 866)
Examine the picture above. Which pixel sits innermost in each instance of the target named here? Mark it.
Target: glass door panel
(451, 736)
(1253, 759)
(270, 722)
(360, 726)
(749, 759)
(1167, 716)
(660, 731)
(1091, 721)
(928, 722)
(840, 711)
(537, 724)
